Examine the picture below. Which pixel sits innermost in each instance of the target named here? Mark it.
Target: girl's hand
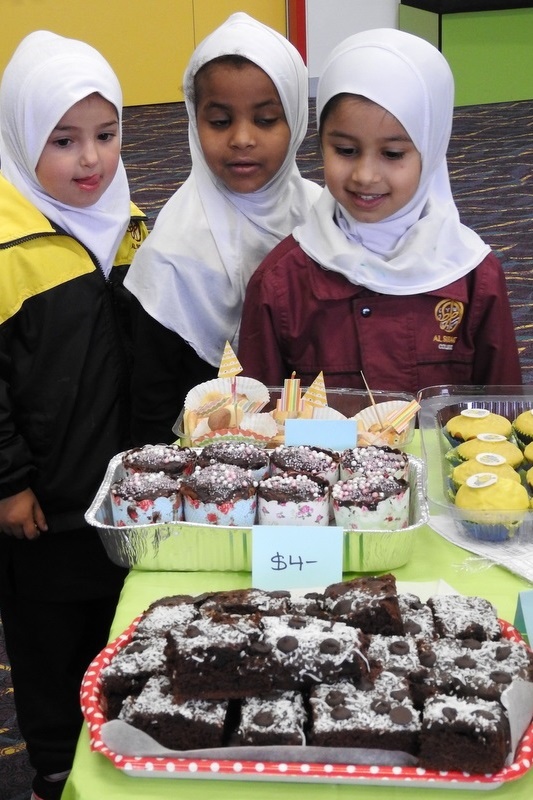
(21, 516)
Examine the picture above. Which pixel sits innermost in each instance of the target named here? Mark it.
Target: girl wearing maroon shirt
(382, 277)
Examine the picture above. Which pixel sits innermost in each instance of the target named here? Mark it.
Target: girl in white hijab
(46, 76)
(423, 245)
(386, 225)
(67, 235)
(191, 274)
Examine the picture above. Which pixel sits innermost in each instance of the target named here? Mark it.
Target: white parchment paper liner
(126, 740)
(122, 738)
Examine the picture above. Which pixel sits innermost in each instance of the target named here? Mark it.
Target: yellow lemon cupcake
(528, 455)
(494, 507)
(487, 443)
(472, 421)
(484, 462)
(523, 426)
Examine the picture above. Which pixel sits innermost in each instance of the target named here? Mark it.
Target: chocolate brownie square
(305, 651)
(417, 617)
(463, 734)
(215, 660)
(245, 602)
(467, 667)
(163, 615)
(380, 716)
(278, 718)
(397, 654)
(129, 671)
(191, 725)
(463, 617)
(368, 603)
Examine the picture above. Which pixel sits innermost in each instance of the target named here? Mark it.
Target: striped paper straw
(399, 420)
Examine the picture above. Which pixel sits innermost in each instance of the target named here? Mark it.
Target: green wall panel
(490, 52)
(421, 23)
(491, 55)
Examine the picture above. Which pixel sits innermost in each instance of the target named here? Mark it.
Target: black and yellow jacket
(64, 360)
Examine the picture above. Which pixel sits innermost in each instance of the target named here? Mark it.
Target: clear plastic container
(438, 404)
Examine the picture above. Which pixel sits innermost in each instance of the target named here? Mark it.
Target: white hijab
(191, 273)
(423, 246)
(46, 76)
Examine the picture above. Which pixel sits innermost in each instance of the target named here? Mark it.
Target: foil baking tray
(438, 404)
(189, 547)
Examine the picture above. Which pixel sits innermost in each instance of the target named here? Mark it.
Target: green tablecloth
(95, 778)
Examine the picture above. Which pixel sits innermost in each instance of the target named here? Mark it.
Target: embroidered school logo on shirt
(448, 314)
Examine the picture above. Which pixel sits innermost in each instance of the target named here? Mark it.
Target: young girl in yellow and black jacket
(68, 232)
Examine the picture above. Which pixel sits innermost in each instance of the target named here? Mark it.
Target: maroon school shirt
(299, 316)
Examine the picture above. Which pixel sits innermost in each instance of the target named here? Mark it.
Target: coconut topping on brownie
(218, 483)
(170, 458)
(139, 657)
(417, 618)
(397, 654)
(178, 726)
(379, 716)
(311, 604)
(309, 651)
(468, 667)
(161, 618)
(246, 601)
(277, 718)
(129, 671)
(463, 734)
(465, 617)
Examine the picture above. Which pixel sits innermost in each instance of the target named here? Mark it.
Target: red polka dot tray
(302, 771)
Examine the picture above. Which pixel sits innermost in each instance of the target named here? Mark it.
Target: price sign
(524, 614)
(337, 434)
(296, 556)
